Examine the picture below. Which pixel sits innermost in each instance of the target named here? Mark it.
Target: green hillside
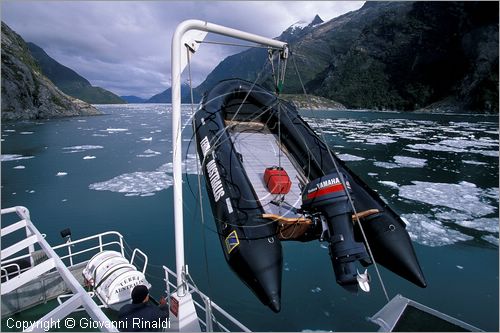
(70, 82)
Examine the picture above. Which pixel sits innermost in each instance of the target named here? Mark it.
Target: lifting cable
(341, 177)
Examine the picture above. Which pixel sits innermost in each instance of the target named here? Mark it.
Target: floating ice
(460, 267)
(429, 232)
(474, 162)
(316, 290)
(26, 133)
(19, 167)
(136, 182)
(482, 224)
(491, 153)
(349, 157)
(389, 183)
(379, 140)
(491, 239)
(88, 157)
(189, 165)
(60, 174)
(386, 165)
(410, 162)
(149, 153)
(435, 147)
(466, 143)
(9, 131)
(147, 139)
(77, 149)
(13, 157)
(463, 197)
(113, 130)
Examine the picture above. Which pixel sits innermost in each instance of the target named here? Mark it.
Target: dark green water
(112, 172)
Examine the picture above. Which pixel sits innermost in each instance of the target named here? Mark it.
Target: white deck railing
(212, 316)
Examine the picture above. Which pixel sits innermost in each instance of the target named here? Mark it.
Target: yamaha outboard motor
(327, 196)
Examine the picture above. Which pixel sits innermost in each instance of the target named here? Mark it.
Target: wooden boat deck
(260, 149)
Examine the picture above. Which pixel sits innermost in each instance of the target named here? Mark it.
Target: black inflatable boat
(270, 178)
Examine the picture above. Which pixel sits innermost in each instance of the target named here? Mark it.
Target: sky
(124, 46)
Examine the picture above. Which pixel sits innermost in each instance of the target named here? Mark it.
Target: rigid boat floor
(260, 149)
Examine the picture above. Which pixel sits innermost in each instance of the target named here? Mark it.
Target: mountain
(70, 82)
(389, 55)
(166, 96)
(133, 99)
(26, 92)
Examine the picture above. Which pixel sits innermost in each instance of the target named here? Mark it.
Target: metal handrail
(207, 308)
(7, 274)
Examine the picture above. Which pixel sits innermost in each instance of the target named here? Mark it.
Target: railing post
(68, 242)
(208, 314)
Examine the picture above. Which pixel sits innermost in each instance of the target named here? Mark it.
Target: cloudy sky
(125, 46)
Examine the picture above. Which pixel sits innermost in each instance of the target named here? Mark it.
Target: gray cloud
(125, 46)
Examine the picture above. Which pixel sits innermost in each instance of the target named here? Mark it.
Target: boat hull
(250, 243)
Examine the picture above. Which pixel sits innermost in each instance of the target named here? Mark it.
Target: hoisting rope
(342, 180)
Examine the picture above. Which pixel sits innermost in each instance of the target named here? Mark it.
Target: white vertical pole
(177, 156)
(176, 59)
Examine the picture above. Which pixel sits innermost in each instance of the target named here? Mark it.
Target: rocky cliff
(28, 94)
(390, 55)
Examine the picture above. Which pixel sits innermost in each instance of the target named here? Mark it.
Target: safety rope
(341, 176)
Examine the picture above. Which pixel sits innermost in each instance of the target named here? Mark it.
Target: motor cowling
(327, 195)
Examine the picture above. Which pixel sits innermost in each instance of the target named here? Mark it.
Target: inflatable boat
(270, 178)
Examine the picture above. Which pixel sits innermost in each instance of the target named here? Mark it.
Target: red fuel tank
(277, 180)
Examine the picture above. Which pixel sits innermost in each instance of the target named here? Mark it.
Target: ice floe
(410, 162)
(482, 224)
(464, 196)
(61, 173)
(77, 149)
(19, 167)
(424, 230)
(88, 157)
(189, 165)
(13, 157)
(316, 290)
(349, 157)
(389, 183)
(142, 183)
(474, 162)
(114, 130)
(402, 162)
(149, 153)
(26, 133)
(491, 239)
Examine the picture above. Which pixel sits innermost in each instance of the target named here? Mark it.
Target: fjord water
(113, 172)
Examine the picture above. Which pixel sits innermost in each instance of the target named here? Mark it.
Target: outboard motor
(327, 196)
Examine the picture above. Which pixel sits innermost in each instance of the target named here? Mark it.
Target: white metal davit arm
(183, 42)
(178, 50)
